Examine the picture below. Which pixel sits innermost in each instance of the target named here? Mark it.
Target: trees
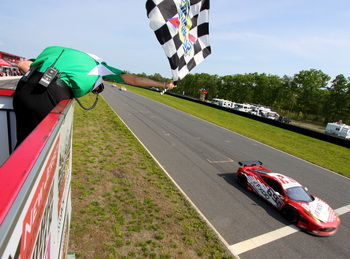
(191, 83)
(310, 88)
(337, 105)
(308, 93)
(285, 98)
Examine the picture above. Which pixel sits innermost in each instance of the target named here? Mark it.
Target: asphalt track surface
(202, 159)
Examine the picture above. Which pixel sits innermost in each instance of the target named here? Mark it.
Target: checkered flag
(182, 28)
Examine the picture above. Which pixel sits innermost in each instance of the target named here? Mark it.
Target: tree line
(309, 95)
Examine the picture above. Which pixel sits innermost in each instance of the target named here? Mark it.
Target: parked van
(222, 102)
(338, 129)
(243, 107)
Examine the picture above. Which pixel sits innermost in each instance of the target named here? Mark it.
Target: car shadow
(230, 178)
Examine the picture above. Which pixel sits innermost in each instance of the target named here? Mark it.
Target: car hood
(320, 210)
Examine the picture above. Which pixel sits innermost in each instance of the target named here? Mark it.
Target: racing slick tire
(242, 180)
(290, 214)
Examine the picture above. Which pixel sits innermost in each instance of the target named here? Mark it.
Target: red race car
(287, 195)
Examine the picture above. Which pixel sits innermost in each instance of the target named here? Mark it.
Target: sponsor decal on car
(266, 192)
(320, 210)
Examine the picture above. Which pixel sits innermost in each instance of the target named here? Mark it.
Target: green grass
(327, 155)
(124, 206)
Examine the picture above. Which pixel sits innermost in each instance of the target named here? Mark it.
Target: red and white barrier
(35, 202)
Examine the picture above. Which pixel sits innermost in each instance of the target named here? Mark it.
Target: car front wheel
(291, 214)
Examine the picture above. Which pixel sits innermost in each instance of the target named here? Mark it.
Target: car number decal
(266, 192)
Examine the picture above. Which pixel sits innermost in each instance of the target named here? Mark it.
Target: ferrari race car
(289, 197)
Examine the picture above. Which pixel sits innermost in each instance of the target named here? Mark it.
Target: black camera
(98, 89)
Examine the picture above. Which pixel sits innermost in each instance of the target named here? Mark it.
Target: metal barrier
(35, 200)
(297, 129)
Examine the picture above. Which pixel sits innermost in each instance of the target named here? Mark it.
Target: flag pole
(163, 92)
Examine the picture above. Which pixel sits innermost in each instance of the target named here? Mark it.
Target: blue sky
(278, 37)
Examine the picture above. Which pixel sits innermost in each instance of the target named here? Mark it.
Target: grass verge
(327, 155)
(124, 206)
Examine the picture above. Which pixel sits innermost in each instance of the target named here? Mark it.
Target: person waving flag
(60, 73)
(182, 28)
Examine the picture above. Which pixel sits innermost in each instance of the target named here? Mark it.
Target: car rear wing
(250, 163)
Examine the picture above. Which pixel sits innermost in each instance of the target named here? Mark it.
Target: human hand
(170, 85)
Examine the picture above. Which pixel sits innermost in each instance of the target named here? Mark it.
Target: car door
(260, 187)
(272, 191)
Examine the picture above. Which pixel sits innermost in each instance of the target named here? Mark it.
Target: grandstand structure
(8, 64)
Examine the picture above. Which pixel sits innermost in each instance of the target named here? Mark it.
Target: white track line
(244, 246)
(177, 186)
(250, 244)
(343, 210)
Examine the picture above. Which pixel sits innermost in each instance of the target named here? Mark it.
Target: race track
(202, 159)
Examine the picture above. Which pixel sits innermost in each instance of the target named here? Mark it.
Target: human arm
(24, 66)
(142, 81)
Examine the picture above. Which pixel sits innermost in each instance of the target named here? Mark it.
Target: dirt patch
(311, 126)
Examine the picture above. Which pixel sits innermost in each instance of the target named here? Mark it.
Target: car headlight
(312, 216)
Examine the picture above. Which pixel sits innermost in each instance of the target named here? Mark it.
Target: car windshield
(298, 194)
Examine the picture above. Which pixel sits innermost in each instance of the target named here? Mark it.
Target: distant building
(8, 64)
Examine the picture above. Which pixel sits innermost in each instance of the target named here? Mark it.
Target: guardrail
(294, 128)
(35, 199)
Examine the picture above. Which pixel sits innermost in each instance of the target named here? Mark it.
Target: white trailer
(243, 107)
(222, 102)
(338, 129)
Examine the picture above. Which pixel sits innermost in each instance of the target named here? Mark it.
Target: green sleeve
(117, 76)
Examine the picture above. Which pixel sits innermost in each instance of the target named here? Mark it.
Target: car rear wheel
(291, 214)
(242, 180)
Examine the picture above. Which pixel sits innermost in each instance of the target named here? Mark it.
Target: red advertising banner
(33, 219)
